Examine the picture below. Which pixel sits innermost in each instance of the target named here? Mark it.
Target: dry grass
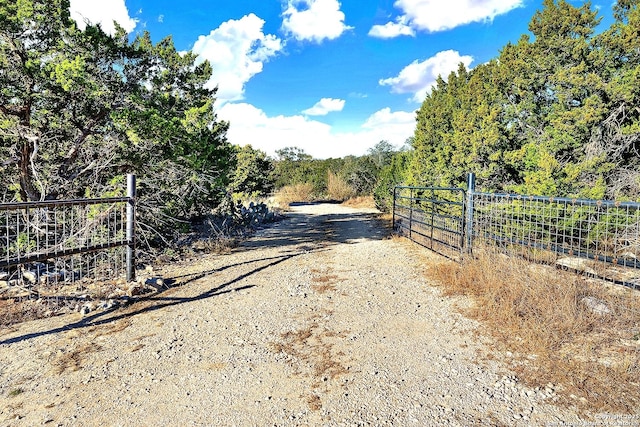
(18, 310)
(312, 347)
(294, 193)
(215, 366)
(361, 202)
(72, 360)
(314, 402)
(338, 188)
(323, 282)
(114, 327)
(544, 318)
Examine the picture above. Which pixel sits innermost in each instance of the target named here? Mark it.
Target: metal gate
(46, 242)
(431, 216)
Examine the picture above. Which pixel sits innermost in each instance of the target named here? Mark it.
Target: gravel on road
(319, 320)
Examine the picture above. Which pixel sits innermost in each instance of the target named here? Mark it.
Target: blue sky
(331, 77)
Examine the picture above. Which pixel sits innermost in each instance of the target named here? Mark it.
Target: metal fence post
(393, 215)
(411, 215)
(433, 213)
(131, 219)
(471, 188)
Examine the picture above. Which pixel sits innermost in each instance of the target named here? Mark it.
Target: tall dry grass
(295, 193)
(338, 188)
(557, 327)
(361, 202)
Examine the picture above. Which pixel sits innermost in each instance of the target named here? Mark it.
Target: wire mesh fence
(47, 245)
(599, 231)
(597, 238)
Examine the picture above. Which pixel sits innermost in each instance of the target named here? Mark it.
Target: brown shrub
(338, 188)
(295, 193)
(361, 202)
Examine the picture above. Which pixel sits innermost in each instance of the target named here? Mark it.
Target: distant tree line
(293, 166)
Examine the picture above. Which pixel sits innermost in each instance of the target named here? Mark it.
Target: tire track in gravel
(318, 320)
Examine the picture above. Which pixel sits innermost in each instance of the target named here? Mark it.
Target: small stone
(29, 276)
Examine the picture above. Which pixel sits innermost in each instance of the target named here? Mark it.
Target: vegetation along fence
(57, 242)
(596, 237)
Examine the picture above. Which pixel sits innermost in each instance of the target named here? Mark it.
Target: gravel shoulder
(318, 320)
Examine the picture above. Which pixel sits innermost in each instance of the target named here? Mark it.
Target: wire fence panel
(599, 239)
(431, 216)
(595, 237)
(50, 244)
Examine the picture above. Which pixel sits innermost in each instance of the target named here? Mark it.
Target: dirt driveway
(319, 320)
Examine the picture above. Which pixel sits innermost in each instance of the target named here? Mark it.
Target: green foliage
(23, 244)
(253, 173)
(80, 109)
(391, 175)
(553, 114)
(360, 173)
(231, 216)
(293, 166)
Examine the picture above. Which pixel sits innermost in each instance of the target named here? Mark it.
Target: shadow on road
(324, 230)
(299, 233)
(162, 299)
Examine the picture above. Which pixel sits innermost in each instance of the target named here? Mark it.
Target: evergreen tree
(80, 109)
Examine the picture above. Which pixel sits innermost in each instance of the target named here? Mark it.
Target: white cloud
(392, 29)
(237, 51)
(102, 12)
(324, 107)
(314, 20)
(250, 125)
(438, 15)
(419, 77)
(387, 119)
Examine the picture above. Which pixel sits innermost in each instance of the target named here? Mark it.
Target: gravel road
(320, 320)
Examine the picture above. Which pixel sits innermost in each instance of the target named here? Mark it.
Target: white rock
(596, 306)
(578, 264)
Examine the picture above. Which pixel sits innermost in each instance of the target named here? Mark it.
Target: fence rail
(596, 237)
(65, 240)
